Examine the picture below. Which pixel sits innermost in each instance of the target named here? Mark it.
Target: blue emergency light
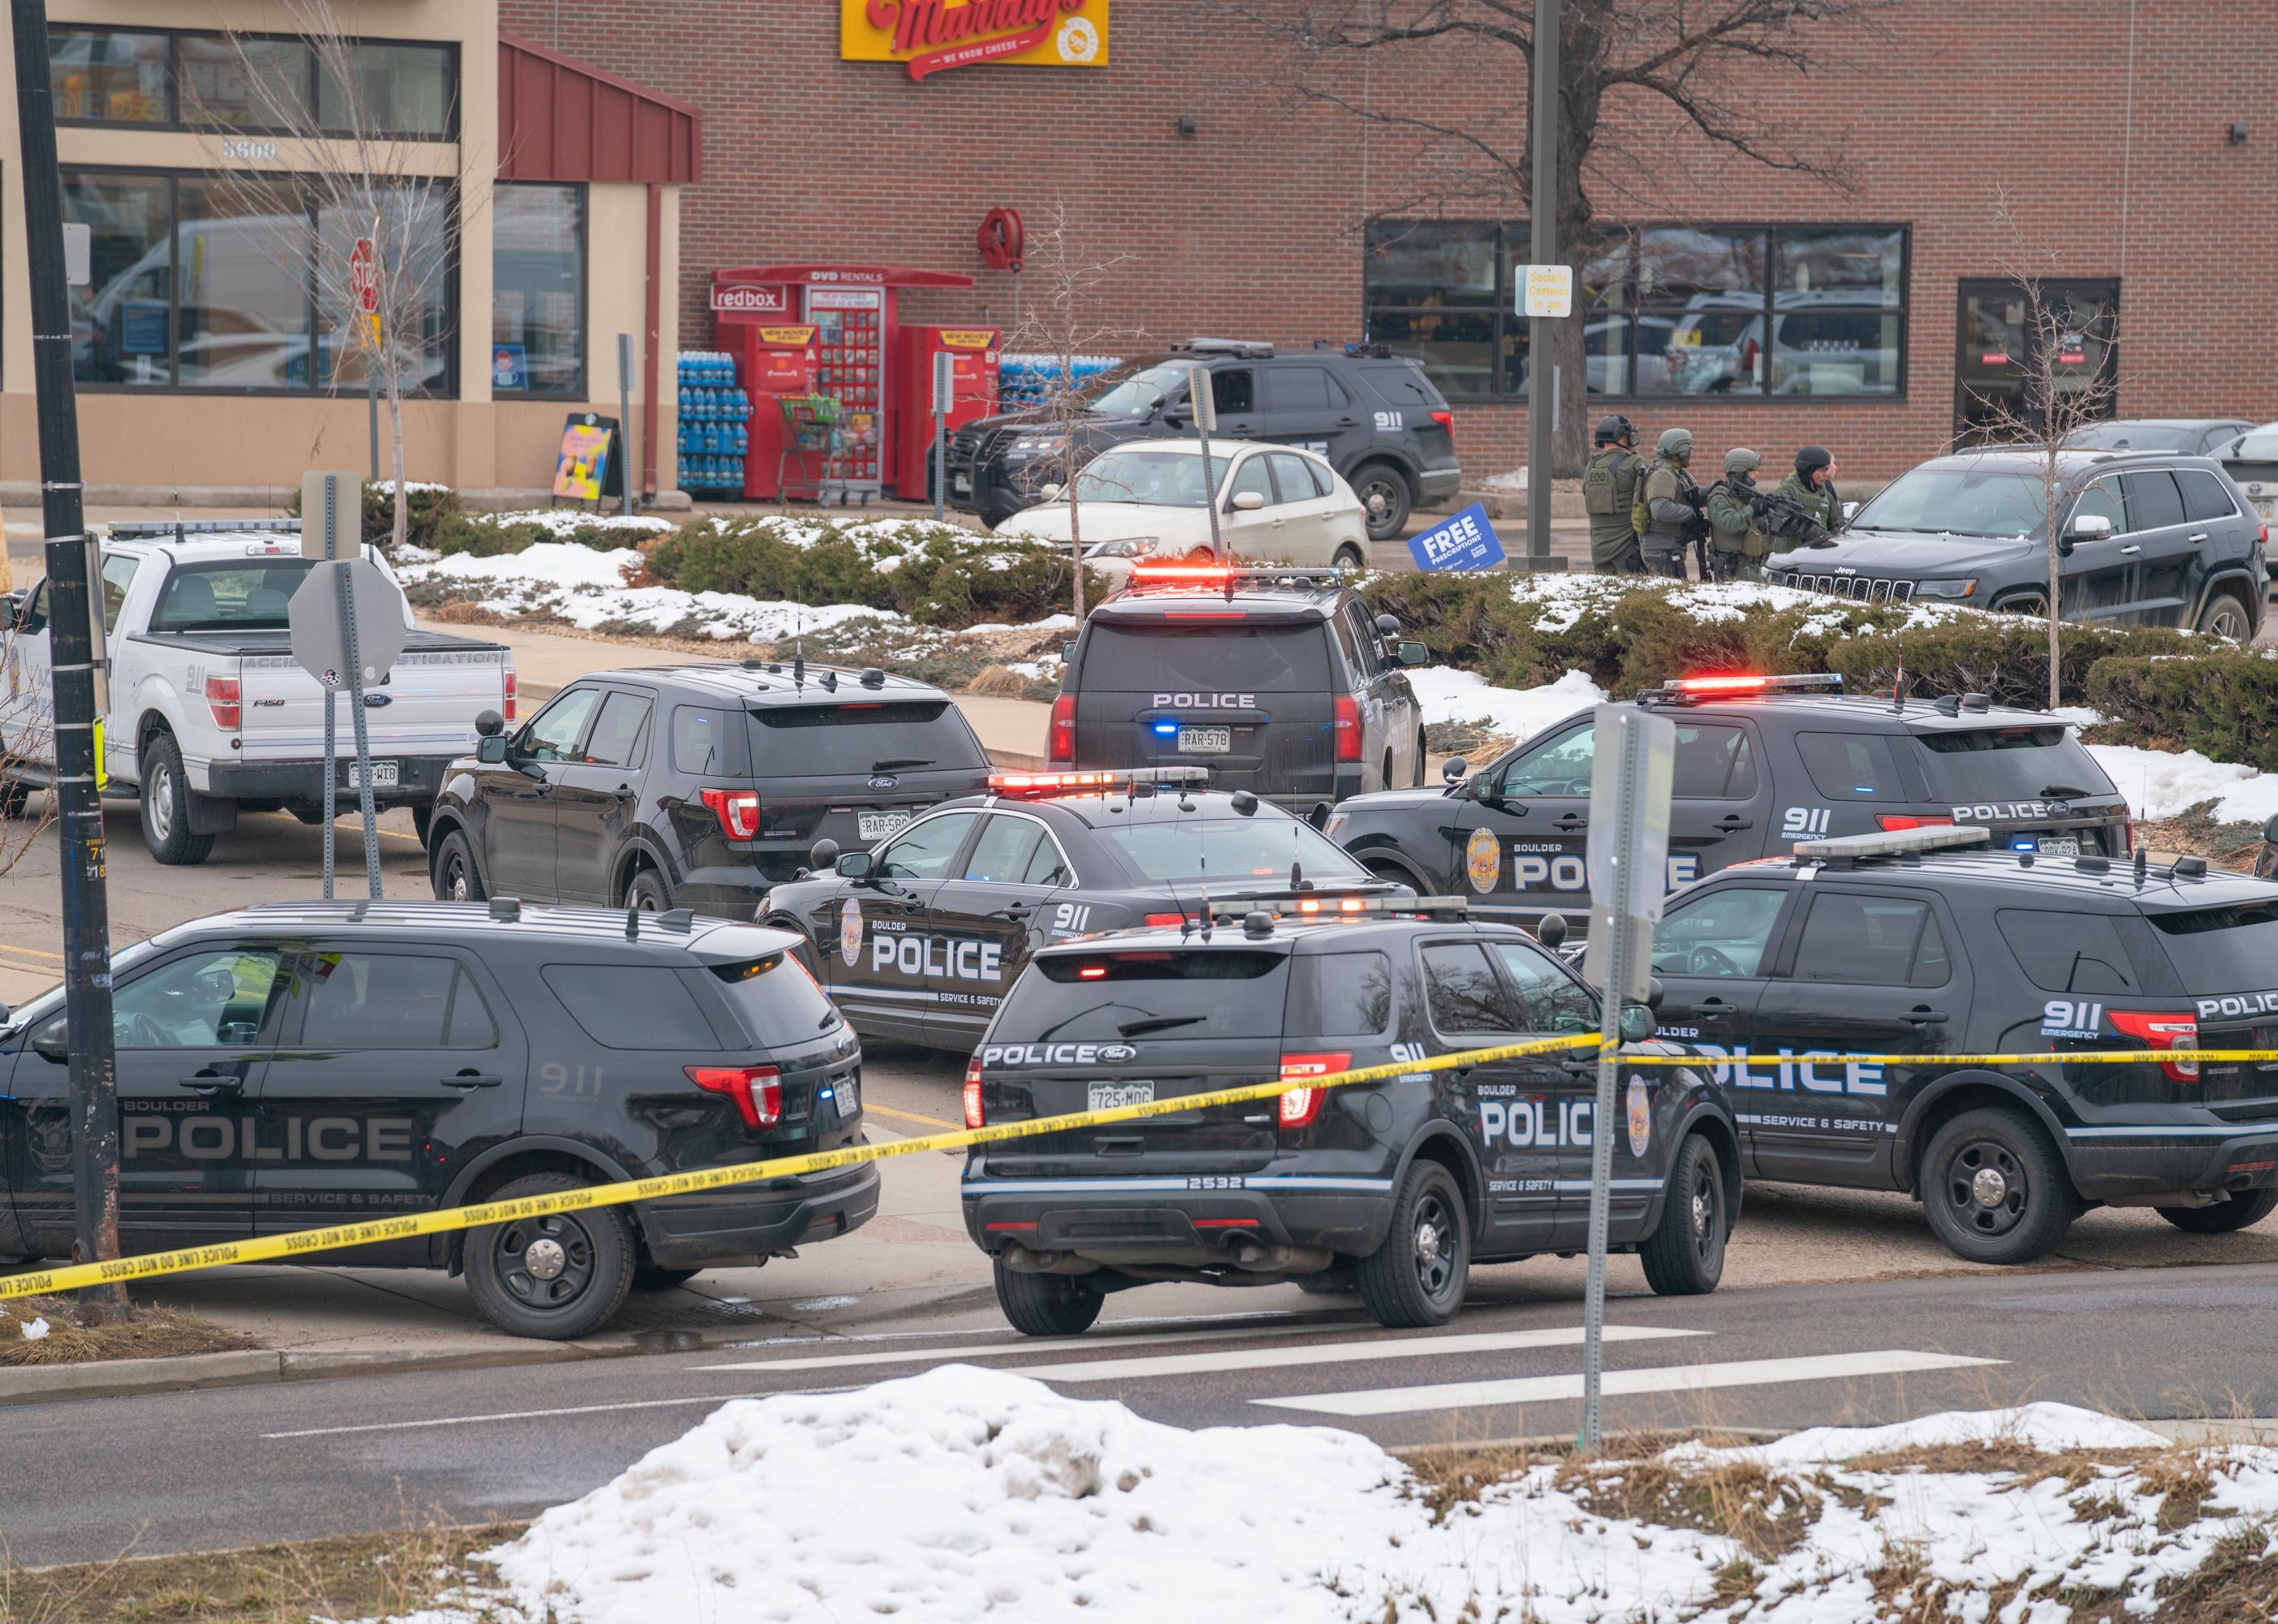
(1166, 729)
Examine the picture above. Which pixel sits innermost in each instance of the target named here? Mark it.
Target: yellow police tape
(299, 1243)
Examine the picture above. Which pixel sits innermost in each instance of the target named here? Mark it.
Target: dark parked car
(2145, 539)
(695, 786)
(1375, 417)
(2194, 437)
(301, 1064)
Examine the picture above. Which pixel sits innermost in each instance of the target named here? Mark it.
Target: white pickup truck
(208, 712)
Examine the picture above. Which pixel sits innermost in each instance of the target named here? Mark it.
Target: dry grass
(152, 1333)
(1765, 1512)
(353, 1576)
(2197, 832)
(2237, 1581)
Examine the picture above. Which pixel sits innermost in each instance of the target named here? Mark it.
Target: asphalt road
(221, 1468)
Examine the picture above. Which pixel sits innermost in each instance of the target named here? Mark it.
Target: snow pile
(965, 1494)
(1512, 483)
(34, 1331)
(1447, 695)
(568, 521)
(1563, 601)
(2160, 784)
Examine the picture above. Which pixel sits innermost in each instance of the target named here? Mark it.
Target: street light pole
(1542, 402)
(71, 648)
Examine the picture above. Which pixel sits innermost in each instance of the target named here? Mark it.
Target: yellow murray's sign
(931, 36)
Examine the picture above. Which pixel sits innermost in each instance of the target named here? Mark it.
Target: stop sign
(364, 274)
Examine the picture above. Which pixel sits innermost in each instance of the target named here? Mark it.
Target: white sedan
(1145, 500)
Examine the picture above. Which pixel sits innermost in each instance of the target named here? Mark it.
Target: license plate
(849, 1096)
(1205, 741)
(385, 776)
(2266, 505)
(2060, 845)
(962, 483)
(878, 826)
(1107, 1096)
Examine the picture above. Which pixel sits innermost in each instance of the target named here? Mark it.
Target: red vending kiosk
(788, 441)
(853, 311)
(972, 393)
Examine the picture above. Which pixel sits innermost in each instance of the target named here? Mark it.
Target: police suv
(1278, 679)
(1790, 971)
(1761, 762)
(301, 1064)
(920, 940)
(1395, 1187)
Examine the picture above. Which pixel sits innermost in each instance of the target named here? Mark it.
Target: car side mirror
(2270, 831)
(1050, 491)
(491, 752)
(1173, 420)
(1850, 512)
(1453, 773)
(1068, 653)
(1247, 501)
(823, 854)
(1637, 1023)
(1414, 654)
(855, 865)
(2088, 526)
(1320, 816)
(52, 1042)
(1655, 991)
(1550, 931)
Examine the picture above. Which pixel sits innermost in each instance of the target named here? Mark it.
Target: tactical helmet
(1740, 459)
(1615, 430)
(1810, 459)
(1674, 444)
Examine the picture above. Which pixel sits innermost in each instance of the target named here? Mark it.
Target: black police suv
(1911, 943)
(1278, 681)
(1761, 762)
(694, 785)
(919, 939)
(300, 1064)
(1397, 1187)
(1377, 417)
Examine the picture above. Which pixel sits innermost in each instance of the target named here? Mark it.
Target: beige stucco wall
(191, 440)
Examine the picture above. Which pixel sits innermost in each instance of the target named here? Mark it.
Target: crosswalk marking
(1662, 1379)
(998, 1350)
(1334, 1353)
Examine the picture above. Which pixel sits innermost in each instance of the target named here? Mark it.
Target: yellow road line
(384, 833)
(9, 947)
(888, 1110)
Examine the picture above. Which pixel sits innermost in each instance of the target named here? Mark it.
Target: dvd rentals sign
(932, 36)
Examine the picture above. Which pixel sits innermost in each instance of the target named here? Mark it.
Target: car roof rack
(1850, 851)
(1738, 685)
(181, 530)
(1252, 349)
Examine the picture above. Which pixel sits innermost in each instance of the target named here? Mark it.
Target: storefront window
(108, 76)
(119, 320)
(1776, 311)
(243, 84)
(537, 289)
(244, 316)
(398, 89)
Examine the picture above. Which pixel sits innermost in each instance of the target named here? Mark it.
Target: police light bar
(1093, 783)
(1304, 907)
(178, 529)
(1739, 685)
(1227, 576)
(1890, 842)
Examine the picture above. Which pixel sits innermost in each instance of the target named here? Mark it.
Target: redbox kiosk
(972, 393)
(859, 368)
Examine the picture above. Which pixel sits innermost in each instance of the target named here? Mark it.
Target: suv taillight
(738, 810)
(1299, 1106)
(1446, 420)
(2164, 1032)
(756, 1090)
(2126, 837)
(508, 711)
(1891, 821)
(973, 1116)
(224, 699)
(1348, 727)
(1059, 736)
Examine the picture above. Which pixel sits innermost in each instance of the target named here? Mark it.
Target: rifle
(1695, 534)
(1783, 515)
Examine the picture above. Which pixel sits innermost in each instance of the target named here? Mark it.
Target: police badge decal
(849, 932)
(1483, 859)
(1641, 1114)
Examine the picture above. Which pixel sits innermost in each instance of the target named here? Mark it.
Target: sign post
(1631, 776)
(626, 411)
(347, 623)
(944, 393)
(364, 281)
(1206, 405)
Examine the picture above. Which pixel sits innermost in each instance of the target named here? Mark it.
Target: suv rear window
(776, 1000)
(1130, 997)
(1224, 656)
(835, 741)
(2068, 952)
(2230, 949)
(632, 1006)
(2012, 764)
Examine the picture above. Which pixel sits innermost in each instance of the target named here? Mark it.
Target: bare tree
(1060, 322)
(384, 235)
(2060, 391)
(1715, 68)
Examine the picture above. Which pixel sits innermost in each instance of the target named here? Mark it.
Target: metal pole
(1542, 250)
(331, 711)
(1206, 409)
(371, 415)
(624, 422)
(1623, 924)
(71, 647)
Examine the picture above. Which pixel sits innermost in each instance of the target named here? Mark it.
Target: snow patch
(2160, 784)
(1447, 695)
(34, 1331)
(2048, 1427)
(568, 521)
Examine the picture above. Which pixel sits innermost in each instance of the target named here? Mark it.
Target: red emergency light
(1036, 785)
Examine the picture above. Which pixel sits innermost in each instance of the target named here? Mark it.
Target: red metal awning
(845, 276)
(559, 119)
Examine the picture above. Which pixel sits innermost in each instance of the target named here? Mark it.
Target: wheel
(423, 819)
(2243, 1210)
(1385, 500)
(1416, 1277)
(167, 806)
(649, 1277)
(556, 1277)
(1350, 557)
(1994, 1189)
(455, 878)
(1046, 1304)
(647, 892)
(1423, 758)
(1387, 871)
(2226, 617)
(1684, 1254)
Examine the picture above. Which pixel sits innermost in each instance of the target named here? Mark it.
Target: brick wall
(1251, 227)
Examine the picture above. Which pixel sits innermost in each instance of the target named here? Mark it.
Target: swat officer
(1668, 514)
(1736, 542)
(1609, 496)
(1812, 488)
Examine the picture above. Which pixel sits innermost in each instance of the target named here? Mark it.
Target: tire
(1385, 500)
(1416, 1277)
(592, 1255)
(647, 892)
(167, 806)
(1684, 1254)
(1350, 557)
(649, 1277)
(2243, 1210)
(2225, 616)
(1994, 1188)
(452, 874)
(422, 819)
(1395, 875)
(1046, 1304)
